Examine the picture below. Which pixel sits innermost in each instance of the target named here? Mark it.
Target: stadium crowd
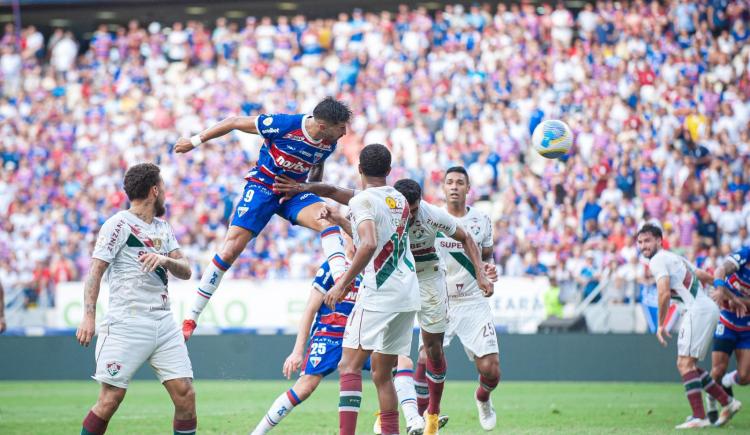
(658, 96)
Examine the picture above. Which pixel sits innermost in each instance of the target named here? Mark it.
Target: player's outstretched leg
(285, 403)
(489, 376)
(183, 396)
(235, 242)
(98, 417)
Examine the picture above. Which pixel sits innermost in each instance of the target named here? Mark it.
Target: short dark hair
(375, 160)
(458, 170)
(650, 229)
(139, 179)
(332, 111)
(411, 190)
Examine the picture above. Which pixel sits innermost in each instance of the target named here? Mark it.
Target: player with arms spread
(295, 146)
(469, 314)
(425, 223)
(137, 250)
(381, 322)
(732, 283)
(677, 279)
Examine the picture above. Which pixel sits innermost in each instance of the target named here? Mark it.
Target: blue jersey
(739, 284)
(287, 149)
(331, 323)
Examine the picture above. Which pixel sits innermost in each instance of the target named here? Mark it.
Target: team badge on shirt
(157, 243)
(268, 121)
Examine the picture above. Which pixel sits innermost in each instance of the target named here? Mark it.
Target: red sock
(486, 386)
(435, 383)
(350, 398)
(420, 385)
(389, 422)
(693, 387)
(185, 426)
(714, 390)
(94, 425)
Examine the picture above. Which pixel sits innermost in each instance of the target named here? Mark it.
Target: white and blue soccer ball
(552, 138)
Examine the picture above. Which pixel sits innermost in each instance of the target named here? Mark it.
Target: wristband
(720, 283)
(196, 140)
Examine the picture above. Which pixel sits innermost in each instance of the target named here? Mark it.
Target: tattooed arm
(85, 331)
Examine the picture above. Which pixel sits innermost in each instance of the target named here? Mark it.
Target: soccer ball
(552, 138)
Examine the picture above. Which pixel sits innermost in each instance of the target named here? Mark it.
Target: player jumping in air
(381, 322)
(677, 279)
(469, 314)
(732, 282)
(295, 146)
(425, 223)
(137, 250)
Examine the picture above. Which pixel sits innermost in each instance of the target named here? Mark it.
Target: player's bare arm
(294, 360)
(472, 251)
(288, 186)
(242, 123)
(2, 309)
(91, 287)
(662, 287)
(175, 262)
(368, 243)
(332, 214)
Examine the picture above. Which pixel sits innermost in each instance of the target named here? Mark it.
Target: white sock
(711, 403)
(209, 282)
(729, 379)
(407, 396)
(280, 408)
(333, 249)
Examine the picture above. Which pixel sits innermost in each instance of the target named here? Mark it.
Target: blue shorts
(323, 356)
(258, 205)
(727, 340)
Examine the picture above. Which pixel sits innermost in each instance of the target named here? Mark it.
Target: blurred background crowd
(657, 94)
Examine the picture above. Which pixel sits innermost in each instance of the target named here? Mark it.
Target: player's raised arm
(247, 124)
(294, 360)
(85, 331)
(472, 251)
(288, 186)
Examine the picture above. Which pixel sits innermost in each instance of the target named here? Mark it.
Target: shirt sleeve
(658, 267)
(172, 243)
(273, 126)
(111, 239)
(487, 242)
(323, 281)
(740, 258)
(441, 220)
(361, 209)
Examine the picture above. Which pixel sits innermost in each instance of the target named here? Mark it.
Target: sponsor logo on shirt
(390, 202)
(297, 166)
(270, 130)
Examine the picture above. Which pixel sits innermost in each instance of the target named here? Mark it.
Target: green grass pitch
(234, 407)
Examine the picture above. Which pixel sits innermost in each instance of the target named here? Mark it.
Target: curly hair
(139, 179)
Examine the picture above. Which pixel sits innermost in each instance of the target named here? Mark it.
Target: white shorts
(383, 332)
(433, 315)
(697, 330)
(124, 345)
(473, 325)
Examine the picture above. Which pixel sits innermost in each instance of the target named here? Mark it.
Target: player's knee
(110, 400)
(434, 351)
(490, 368)
(405, 363)
(685, 365)
(743, 377)
(185, 400)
